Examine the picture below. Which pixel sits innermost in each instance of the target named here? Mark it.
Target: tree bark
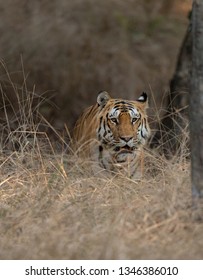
(171, 133)
(196, 100)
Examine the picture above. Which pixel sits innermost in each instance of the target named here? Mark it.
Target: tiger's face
(123, 126)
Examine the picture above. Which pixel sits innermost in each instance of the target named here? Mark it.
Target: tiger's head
(123, 125)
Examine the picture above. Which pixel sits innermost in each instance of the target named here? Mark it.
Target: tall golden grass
(53, 207)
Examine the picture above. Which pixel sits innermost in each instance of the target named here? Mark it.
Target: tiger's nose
(126, 138)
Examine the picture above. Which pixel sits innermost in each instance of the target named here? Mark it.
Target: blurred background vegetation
(67, 51)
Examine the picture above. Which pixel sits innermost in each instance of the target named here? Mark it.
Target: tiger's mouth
(124, 149)
(123, 154)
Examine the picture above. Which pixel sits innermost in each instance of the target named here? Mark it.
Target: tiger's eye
(134, 120)
(114, 120)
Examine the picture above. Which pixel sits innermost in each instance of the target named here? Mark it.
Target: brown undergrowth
(53, 207)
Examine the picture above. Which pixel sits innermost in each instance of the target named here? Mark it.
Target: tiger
(113, 133)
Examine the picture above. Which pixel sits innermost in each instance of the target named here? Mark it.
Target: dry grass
(52, 207)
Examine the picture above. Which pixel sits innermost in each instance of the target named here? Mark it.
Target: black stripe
(100, 122)
(100, 150)
(124, 105)
(116, 109)
(101, 157)
(142, 125)
(105, 130)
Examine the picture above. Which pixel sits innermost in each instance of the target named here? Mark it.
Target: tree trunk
(172, 129)
(196, 100)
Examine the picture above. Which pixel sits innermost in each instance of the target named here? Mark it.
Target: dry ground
(52, 207)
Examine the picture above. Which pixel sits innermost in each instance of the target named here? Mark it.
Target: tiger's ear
(143, 99)
(103, 98)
